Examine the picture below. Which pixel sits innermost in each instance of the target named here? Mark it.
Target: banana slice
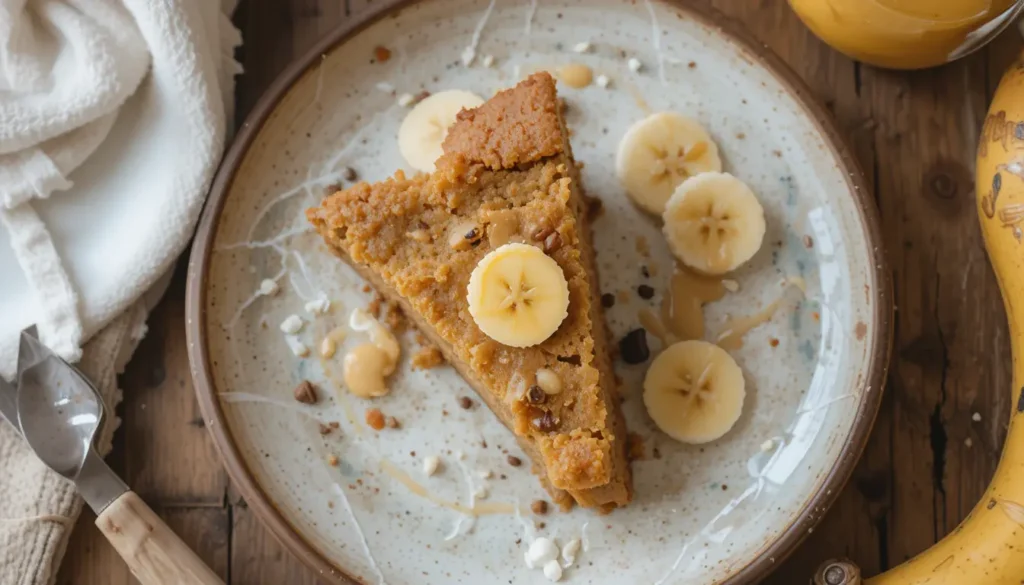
(694, 391)
(660, 152)
(518, 295)
(714, 223)
(425, 126)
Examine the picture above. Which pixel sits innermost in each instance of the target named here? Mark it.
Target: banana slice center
(518, 293)
(692, 390)
(668, 164)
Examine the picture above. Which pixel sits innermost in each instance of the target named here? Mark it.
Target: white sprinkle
(481, 492)
(328, 347)
(603, 81)
(386, 87)
(731, 285)
(553, 571)
(976, 417)
(541, 551)
(405, 100)
(269, 287)
(634, 64)
(468, 56)
(292, 324)
(318, 306)
(430, 465)
(581, 47)
(488, 60)
(968, 442)
(295, 344)
(570, 550)
(484, 474)
(768, 445)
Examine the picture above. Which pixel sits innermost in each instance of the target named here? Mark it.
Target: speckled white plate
(724, 512)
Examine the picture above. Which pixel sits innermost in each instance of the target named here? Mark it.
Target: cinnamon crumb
(426, 358)
(539, 507)
(375, 418)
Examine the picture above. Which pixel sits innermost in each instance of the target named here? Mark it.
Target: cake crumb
(325, 429)
(774, 342)
(622, 296)
(366, 288)
(306, 393)
(375, 419)
(426, 358)
(381, 54)
(392, 422)
(643, 247)
(465, 402)
(635, 447)
(730, 285)
(332, 460)
(539, 507)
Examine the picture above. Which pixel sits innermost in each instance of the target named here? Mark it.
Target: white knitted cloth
(112, 122)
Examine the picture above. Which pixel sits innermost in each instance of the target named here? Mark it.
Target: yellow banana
(988, 546)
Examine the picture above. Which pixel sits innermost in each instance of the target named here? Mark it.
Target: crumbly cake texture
(507, 175)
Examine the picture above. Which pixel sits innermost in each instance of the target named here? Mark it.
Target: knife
(58, 411)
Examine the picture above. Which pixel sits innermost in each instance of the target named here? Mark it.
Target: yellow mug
(907, 34)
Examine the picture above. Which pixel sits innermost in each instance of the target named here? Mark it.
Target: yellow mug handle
(988, 546)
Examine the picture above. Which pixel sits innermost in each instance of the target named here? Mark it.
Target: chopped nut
(465, 403)
(381, 54)
(552, 243)
(633, 347)
(464, 236)
(541, 233)
(427, 357)
(539, 507)
(549, 381)
(645, 291)
(392, 422)
(324, 429)
(332, 460)
(514, 461)
(430, 465)
(607, 300)
(730, 285)
(545, 423)
(536, 395)
(375, 418)
(774, 342)
(349, 174)
(305, 392)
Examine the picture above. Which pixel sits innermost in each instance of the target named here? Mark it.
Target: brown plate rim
(771, 555)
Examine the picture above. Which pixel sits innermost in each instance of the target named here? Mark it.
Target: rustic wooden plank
(258, 559)
(170, 458)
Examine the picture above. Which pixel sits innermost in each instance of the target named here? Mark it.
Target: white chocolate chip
(318, 306)
(292, 324)
(405, 100)
(549, 381)
(295, 344)
(553, 571)
(570, 550)
(581, 47)
(488, 60)
(541, 551)
(269, 287)
(634, 64)
(328, 347)
(731, 285)
(603, 81)
(430, 465)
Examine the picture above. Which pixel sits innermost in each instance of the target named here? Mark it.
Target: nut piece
(539, 507)
(464, 236)
(536, 395)
(392, 422)
(514, 461)
(332, 460)
(325, 430)
(375, 418)
(552, 243)
(430, 465)
(545, 423)
(541, 233)
(305, 393)
(549, 381)
(382, 54)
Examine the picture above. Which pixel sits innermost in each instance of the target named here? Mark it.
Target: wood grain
(914, 135)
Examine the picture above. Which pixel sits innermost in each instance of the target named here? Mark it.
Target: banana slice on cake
(424, 128)
(694, 391)
(518, 295)
(714, 223)
(658, 153)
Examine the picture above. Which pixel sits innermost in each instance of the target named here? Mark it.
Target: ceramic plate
(724, 512)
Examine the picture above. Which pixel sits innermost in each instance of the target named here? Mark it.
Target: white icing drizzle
(472, 502)
(359, 530)
(529, 16)
(583, 536)
(470, 52)
(271, 243)
(230, 325)
(235, 397)
(656, 41)
(825, 404)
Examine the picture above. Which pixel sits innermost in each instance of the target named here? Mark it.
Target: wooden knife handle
(155, 555)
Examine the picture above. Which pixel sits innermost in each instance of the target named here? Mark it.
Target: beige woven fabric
(38, 508)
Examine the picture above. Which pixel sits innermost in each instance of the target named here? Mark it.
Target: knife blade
(9, 403)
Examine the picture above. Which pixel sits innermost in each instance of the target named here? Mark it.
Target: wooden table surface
(927, 462)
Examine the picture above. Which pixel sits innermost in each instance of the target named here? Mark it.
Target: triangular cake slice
(507, 175)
